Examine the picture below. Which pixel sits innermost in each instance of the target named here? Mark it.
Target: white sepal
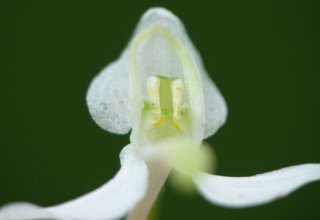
(113, 200)
(238, 192)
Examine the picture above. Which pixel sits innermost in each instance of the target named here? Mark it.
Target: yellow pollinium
(158, 120)
(176, 125)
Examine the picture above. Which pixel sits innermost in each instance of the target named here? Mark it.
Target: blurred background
(263, 55)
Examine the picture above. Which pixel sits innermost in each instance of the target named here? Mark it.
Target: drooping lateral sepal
(113, 200)
(237, 192)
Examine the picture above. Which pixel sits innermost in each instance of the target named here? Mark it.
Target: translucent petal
(237, 192)
(108, 97)
(109, 94)
(111, 201)
(215, 106)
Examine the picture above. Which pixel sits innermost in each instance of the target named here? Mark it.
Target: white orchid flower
(160, 90)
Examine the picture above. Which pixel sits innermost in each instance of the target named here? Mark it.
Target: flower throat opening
(164, 113)
(166, 125)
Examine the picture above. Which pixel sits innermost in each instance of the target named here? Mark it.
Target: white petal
(237, 192)
(25, 211)
(111, 201)
(109, 94)
(216, 108)
(108, 97)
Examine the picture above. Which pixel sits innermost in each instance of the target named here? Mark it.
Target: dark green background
(263, 55)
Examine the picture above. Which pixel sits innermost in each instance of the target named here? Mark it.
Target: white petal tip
(25, 211)
(108, 98)
(239, 192)
(158, 12)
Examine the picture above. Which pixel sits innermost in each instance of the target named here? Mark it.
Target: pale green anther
(153, 97)
(177, 98)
